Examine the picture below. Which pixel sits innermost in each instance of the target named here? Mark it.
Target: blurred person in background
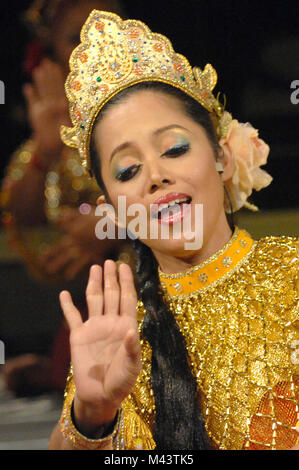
(47, 199)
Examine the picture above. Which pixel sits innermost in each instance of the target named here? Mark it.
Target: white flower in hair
(249, 152)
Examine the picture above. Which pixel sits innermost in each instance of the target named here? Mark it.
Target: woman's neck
(212, 242)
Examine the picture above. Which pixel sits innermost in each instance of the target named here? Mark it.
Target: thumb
(132, 345)
(30, 94)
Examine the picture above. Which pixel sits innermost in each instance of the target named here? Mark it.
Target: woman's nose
(158, 183)
(158, 177)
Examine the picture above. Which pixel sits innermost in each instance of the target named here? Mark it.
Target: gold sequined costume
(238, 312)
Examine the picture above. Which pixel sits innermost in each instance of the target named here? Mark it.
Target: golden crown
(115, 54)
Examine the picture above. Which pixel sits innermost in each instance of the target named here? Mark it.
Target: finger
(45, 81)
(128, 295)
(50, 253)
(71, 313)
(131, 343)
(58, 262)
(38, 80)
(133, 355)
(30, 94)
(55, 75)
(111, 289)
(63, 259)
(74, 269)
(94, 291)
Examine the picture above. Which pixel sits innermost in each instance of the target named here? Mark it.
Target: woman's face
(152, 153)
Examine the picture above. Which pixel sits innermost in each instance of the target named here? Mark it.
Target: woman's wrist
(94, 432)
(91, 436)
(92, 421)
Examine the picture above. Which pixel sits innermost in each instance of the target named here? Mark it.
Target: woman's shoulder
(281, 250)
(274, 266)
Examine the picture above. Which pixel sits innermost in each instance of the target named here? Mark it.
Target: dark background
(254, 46)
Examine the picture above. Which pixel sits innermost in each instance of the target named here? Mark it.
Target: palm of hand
(47, 106)
(46, 117)
(105, 349)
(99, 358)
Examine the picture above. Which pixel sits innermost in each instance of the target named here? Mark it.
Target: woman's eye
(128, 172)
(176, 150)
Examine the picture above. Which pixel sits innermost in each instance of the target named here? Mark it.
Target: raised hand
(67, 259)
(78, 249)
(47, 109)
(105, 349)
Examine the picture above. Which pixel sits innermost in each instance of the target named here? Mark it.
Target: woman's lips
(179, 215)
(170, 197)
(171, 208)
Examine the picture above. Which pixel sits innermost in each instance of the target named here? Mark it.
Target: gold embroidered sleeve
(136, 433)
(139, 407)
(69, 431)
(133, 430)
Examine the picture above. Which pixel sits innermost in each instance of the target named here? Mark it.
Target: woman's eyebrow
(119, 148)
(155, 133)
(167, 128)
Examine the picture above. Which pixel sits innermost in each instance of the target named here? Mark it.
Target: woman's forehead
(146, 100)
(143, 109)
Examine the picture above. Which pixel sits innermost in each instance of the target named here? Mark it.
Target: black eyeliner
(176, 150)
(124, 174)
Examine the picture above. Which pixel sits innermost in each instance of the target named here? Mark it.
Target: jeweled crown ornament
(115, 54)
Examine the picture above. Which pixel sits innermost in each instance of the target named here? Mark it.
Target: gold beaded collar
(214, 269)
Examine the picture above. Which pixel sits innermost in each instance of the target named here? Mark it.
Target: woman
(206, 361)
(45, 186)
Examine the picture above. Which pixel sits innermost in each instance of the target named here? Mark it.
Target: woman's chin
(182, 247)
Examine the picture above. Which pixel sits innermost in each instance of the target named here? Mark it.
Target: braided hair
(178, 422)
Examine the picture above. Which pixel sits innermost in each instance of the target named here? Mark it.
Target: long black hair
(178, 424)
